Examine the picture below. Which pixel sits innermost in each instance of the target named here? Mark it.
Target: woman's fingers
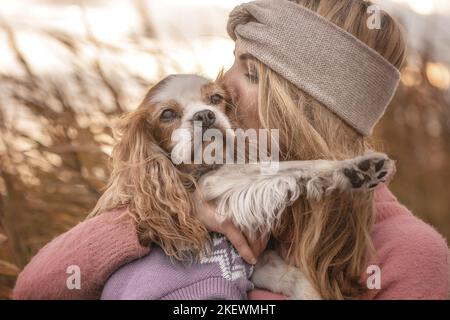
(259, 244)
(206, 213)
(237, 238)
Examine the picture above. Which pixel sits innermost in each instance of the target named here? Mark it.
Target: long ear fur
(146, 180)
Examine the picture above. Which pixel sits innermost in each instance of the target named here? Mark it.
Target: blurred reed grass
(55, 137)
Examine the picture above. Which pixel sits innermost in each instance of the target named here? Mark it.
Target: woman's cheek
(248, 112)
(250, 102)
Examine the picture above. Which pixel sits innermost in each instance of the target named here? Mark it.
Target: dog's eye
(168, 115)
(216, 98)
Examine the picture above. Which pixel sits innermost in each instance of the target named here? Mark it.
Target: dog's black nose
(207, 117)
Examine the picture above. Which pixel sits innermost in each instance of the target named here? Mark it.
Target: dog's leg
(273, 274)
(255, 201)
(322, 176)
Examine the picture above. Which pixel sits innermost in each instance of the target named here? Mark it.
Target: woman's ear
(144, 178)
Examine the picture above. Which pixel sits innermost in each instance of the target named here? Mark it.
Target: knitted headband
(330, 64)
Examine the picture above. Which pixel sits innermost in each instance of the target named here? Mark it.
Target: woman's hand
(206, 213)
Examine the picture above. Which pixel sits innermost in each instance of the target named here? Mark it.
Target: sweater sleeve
(414, 264)
(76, 264)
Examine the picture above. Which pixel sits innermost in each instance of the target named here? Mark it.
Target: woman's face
(241, 80)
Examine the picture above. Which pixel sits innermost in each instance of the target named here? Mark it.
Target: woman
(333, 242)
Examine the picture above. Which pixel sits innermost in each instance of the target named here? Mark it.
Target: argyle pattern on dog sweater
(221, 274)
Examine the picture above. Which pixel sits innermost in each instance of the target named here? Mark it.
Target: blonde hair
(329, 240)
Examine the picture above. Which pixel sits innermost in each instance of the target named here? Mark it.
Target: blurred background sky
(188, 35)
(200, 23)
(68, 68)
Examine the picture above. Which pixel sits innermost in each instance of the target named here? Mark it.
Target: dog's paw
(360, 173)
(274, 274)
(368, 171)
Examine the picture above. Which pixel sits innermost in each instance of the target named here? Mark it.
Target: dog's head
(143, 175)
(177, 106)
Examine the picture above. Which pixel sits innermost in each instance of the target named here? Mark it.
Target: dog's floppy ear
(144, 178)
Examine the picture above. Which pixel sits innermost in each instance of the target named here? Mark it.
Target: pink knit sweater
(412, 256)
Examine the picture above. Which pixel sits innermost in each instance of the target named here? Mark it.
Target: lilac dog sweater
(220, 275)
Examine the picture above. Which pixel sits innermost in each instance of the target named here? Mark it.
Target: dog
(154, 175)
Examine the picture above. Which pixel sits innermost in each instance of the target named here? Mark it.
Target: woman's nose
(229, 84)
(224, 79)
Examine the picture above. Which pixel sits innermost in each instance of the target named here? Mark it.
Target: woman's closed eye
(252, 75)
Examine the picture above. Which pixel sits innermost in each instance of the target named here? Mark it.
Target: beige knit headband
(330, 64)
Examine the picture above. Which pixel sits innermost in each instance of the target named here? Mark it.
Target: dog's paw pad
(356, 178)
(364, 165)
(368, 171)
(382, 175)
(379, 164)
